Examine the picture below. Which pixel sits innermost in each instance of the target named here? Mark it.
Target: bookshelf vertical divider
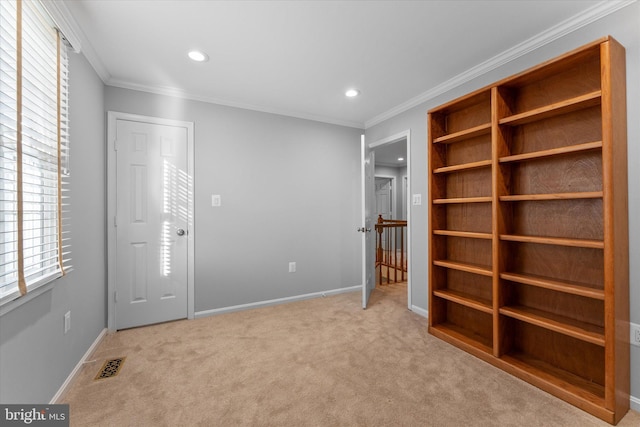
(528, 227)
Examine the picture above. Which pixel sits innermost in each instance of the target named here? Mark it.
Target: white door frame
(390, 140)
(112, 118)
(405, 194)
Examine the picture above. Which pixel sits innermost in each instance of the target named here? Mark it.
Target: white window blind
(34, 149)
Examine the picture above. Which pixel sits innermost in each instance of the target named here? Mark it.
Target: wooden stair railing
(391, 259)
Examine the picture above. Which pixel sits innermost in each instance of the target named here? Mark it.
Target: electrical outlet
(67, 321)
(292, 267)
(635, 334)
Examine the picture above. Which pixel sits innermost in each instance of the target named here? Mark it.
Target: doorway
(150, 211)
(392, 167)
(385, 197)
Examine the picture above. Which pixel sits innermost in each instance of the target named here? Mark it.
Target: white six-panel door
(152, 223)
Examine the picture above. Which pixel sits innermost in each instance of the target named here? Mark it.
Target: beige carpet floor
(321, 362)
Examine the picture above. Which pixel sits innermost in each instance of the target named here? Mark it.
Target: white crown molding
(565, 27)
(94, 60)
(179, 93)
(67, 24)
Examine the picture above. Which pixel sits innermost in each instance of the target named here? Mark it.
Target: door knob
(180, 232)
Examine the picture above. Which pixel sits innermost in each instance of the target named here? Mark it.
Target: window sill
(11, 305)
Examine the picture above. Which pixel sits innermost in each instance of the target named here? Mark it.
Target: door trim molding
(112, 118)
(406, 134)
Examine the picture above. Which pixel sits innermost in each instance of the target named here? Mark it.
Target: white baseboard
(75, 371)
(421, 311)
(271, 302)
(635, 403)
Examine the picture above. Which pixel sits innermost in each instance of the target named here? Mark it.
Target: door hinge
(115, 145)
(115, 221)
(115, 296)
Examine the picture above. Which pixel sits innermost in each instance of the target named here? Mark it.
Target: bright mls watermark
(36, 415)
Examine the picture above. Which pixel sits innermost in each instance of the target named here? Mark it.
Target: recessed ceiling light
(198, 56)
(352, 93)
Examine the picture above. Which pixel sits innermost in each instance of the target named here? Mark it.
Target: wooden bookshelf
(582, 289)
(462, 200)
(469, 268)
(484, 129)
(552, 196)
(552, 152)
(578, 243)
(464, 166)
(528, 241)
(551, 110)
(469, 234)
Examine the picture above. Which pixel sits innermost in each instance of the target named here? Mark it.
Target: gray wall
(623, 26)
(35, 355)
(279, 204)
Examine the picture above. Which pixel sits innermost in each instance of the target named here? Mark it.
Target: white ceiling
(298, 57)
(388, 154)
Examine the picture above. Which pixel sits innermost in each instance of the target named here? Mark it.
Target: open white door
(368, 209)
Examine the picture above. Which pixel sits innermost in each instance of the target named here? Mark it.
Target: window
(34, 149)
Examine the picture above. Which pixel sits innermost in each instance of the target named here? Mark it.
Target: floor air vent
(111, 368)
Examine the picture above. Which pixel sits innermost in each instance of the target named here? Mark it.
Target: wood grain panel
(569, 129)
(472, 284)
(582, 265)
(468, 183)
(483, 129)
(617, 292)
(583, 289)
(473, 321)
(469, 150)
(468, 217)
(437, 311)
(576, 172)
(532, 218)
(574, 356)
(471, 112)
(571, 306)
(470, 251)
(568, 81)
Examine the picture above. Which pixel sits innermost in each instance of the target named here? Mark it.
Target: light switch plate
(216, 200)
(635, 334)
(417, 199)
